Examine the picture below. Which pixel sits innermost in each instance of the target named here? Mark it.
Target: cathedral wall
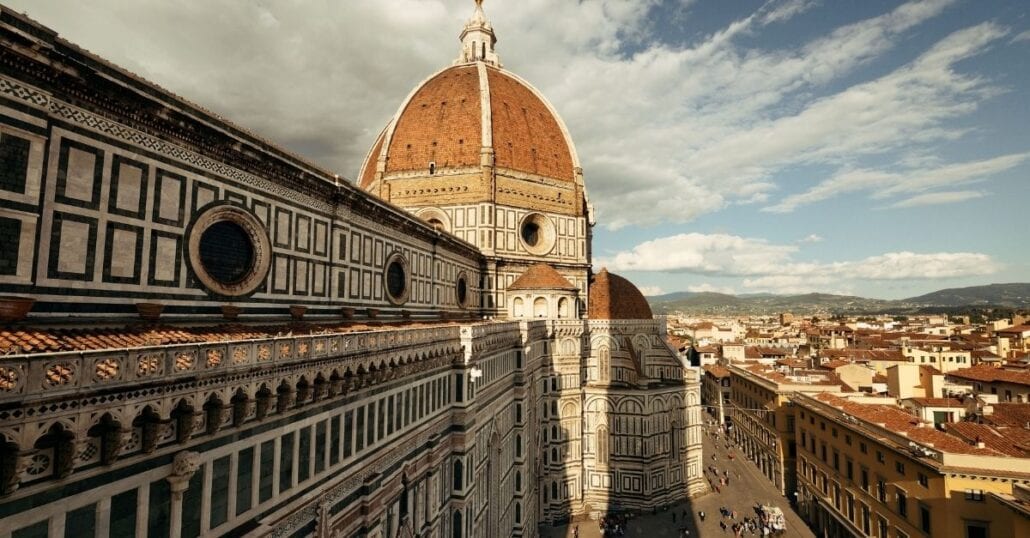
(103, 203)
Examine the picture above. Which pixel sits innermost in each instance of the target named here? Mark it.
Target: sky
(869, 147)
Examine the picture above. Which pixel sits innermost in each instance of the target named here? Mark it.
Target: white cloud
(1021, 36)
(882, 184)
(666, 131)
(812, 238)
(788, 10)
(935, 198)
(768, 266)
(650, 291)
(707, 287)
(792, 285)
(716, 254)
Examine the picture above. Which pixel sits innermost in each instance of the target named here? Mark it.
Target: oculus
(229, 250)
(395, 279)
(537, 234)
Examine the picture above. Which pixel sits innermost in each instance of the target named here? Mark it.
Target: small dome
(614, 297)
(541, 277)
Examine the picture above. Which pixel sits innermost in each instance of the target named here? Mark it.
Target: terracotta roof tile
(614, 297)
(897, 420)
(32, 341)
(541, 276)
(991, 374)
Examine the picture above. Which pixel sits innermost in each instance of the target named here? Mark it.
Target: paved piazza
(740, 495)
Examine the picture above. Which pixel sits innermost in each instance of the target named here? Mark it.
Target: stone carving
(59, 374)
(8, 379)
(214, 357)
(148, 365)
(106, 369)
(184, 361)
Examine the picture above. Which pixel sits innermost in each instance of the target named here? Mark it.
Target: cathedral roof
(541, 277)
(614, 297)
(443, 123)
(450, 118)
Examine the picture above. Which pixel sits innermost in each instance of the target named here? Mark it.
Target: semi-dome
(476, 132)
(541, 276)
(614, 297)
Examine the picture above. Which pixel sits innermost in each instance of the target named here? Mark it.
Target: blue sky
(856, 146)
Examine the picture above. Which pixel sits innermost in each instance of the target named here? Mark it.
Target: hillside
(1015, 295)
(993, 295)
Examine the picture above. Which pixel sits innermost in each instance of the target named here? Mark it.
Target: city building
(1010, 384)
(762, 416)
(867, 467)
(716, 391)
(205, 334)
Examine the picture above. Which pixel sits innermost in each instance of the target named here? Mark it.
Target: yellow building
(762, 420)
(866, 467)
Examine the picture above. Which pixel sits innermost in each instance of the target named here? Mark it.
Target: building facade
(866, 467)
(763, 418)
(204, 334)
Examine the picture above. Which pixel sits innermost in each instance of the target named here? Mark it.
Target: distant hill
(1016, 295)
(993, 295)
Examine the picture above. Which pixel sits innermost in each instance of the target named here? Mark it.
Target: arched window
(518, 446)
(518, 513)
(554, 490)
(518, 481)
(602, 445)
(540, 308)
(517, 308)
(563, 307)
(456, 524)
(458, 482)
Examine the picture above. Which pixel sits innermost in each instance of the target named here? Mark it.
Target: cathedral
(204, 334)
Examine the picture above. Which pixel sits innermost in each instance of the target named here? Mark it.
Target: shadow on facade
(622, 416)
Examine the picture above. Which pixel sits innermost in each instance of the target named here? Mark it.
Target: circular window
(461, 290)
(537, 234)
(228, 250)
(396, 279)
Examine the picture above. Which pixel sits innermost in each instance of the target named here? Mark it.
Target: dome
(541, 276)
(452, 116)
(476, 133)
(614, 297)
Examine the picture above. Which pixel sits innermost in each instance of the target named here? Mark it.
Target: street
(746, 488)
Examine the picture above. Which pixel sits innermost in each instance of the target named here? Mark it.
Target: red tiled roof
(29, 341)
(938, 402)
(717, 370)
(1016, 415)
(541, 276)
(990, 374)
(1009, 441)
(897, 420)
(614, 297)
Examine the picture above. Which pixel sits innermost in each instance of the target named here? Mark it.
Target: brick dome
(442, 122)
(614, 297)
(541, 276)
